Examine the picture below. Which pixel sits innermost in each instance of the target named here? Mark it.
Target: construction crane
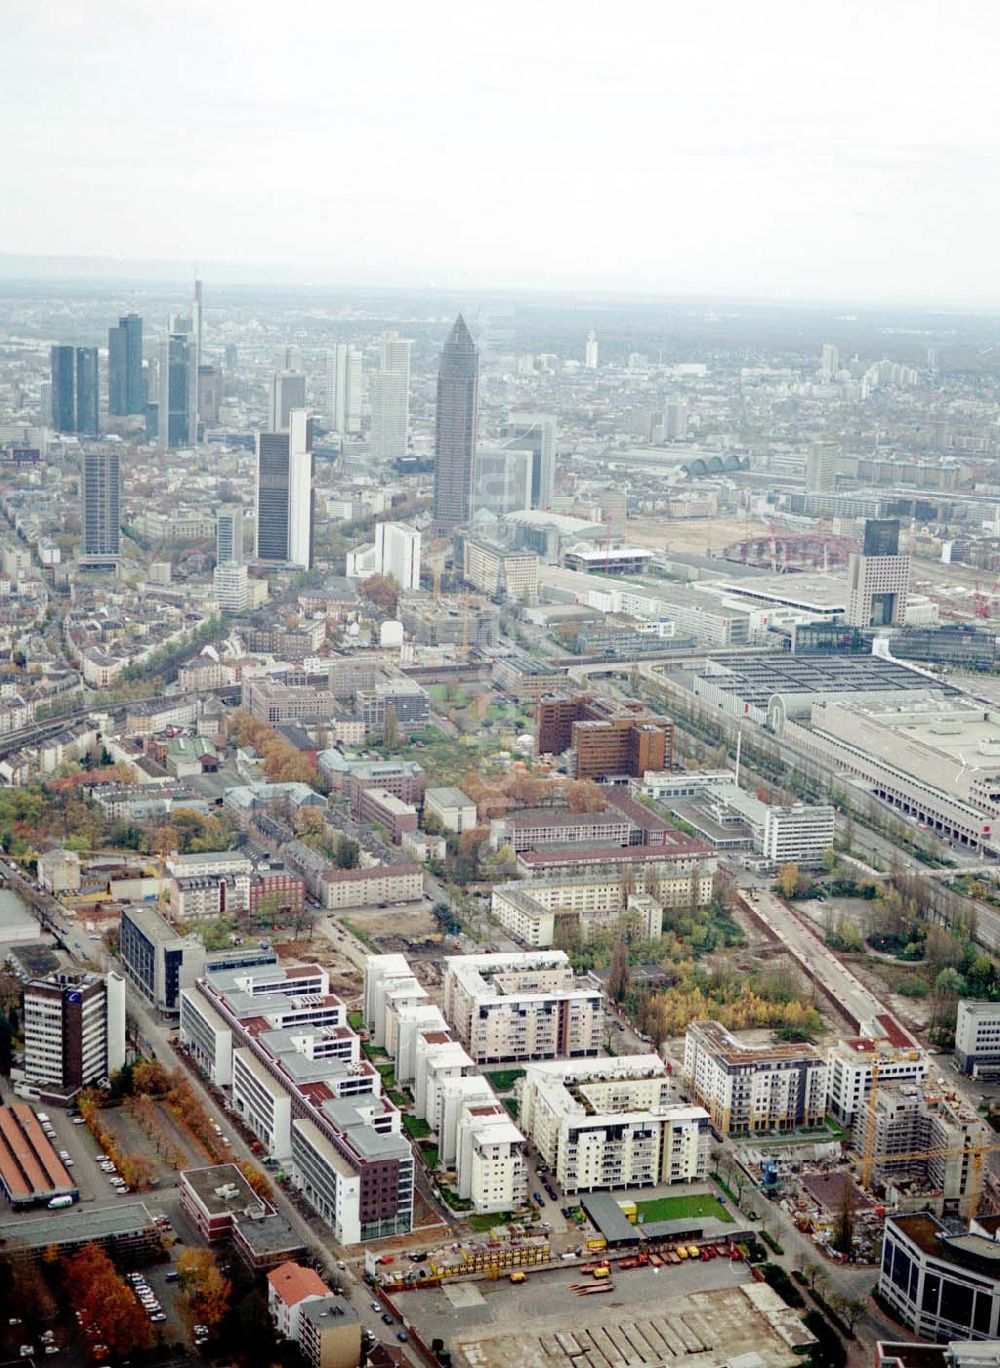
(974, 1187)
(976, 1152)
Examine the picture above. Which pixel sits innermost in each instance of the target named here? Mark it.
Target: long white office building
(609, 1123)
(279, 1041)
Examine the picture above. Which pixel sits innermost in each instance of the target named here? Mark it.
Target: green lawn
(355, 1020)
(416, 1126)
(490, 1219)
(502, 1080)
(681, 1208)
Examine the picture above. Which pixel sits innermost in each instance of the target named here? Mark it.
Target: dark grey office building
(881, 537)
(455, 439)
(100, 490)
(126, 391)
(87, 392)
(63, 389)
(272, 496)
(178, 418)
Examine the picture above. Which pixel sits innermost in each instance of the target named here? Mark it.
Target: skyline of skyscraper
(344, 381)
(125, 388)
(62, 361)
(100, 510)
(288, 391)
(284, 492)
(178, 416)
(88, 392)
(455, 428)
(229, 534)
(390, 399)
(537, 433)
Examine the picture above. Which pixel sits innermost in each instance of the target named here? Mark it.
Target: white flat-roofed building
(935, 758)
(608, 1123)
(752, 1089)
(942, 1284)
(512, 1007)
(328, 1181)
(455, 1094)
(386, 976)
(438, 1058)
(531, 910)
(408, 1023)
(208, 1037)
(293, 1058)
(262, 1103)
(852, 1063)
(977, 1037)
(490, 1160)
(454, 809)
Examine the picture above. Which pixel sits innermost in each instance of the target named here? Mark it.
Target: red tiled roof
(292, 1282)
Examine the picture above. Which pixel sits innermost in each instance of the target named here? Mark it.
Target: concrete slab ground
(619, 1330)
(508, 1325)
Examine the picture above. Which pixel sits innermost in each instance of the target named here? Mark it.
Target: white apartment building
(853, 1062)
(512, 1007)
(388, 978)
(406, 1023)
(395, 552)
(456, 1093)
(977, 1037)
(454, 809)
(608, 1123)
(231, 587)
(490, 1162)
(531, 910)
(753, 1089)
(499, 572)
(438, 1058)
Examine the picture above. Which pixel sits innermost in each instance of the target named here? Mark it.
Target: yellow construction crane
(974, 1187)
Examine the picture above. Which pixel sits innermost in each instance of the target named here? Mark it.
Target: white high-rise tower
(590, 353)
(390, 396)
(344, 371)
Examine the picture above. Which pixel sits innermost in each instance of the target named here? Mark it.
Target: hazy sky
(792, 149)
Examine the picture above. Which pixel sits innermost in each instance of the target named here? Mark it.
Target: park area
(687, 1207)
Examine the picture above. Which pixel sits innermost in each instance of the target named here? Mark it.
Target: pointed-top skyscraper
(455, 441)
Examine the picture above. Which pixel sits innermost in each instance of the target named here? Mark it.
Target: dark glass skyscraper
(178, 416)
(87, 391)
(455, 439)
(272, 495)
(125, 387)
(63, 389)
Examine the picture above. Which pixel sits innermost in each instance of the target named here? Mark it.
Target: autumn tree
(618, 974)
(204, 1291)
(149, 1077)
(583, 795)
(788, 880)
(100, 1295)
(257, 1179)
(381, 591)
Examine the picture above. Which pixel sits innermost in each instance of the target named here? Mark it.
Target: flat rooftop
(206, 1183)
(76, 1225)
